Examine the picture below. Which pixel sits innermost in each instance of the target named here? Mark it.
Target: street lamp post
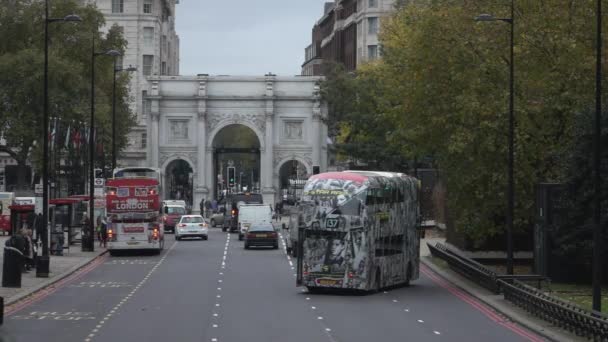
(116, 70)
(43, 261)
(597, 229)
(510, 181)
(88, 244)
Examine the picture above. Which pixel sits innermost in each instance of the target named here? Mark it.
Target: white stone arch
(229, 122)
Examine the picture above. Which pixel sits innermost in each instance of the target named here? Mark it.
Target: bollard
(1, 310)
(11, 267)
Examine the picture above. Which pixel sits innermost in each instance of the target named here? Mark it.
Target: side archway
(292, 175)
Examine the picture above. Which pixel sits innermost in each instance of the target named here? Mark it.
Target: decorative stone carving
(257, 120)
(293, 130)
(281, 155)
(186, 156)
(155, 116)
(202, 115)
(178, 129)
(213, 121)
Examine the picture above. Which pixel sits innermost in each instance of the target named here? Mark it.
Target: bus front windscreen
(344, 196)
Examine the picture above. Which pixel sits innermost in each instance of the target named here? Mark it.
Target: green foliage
(441, 89)
(70, 49)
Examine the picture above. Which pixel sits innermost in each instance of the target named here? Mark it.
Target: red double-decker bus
(133, 206)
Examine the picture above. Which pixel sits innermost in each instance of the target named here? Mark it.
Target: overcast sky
(245, 37)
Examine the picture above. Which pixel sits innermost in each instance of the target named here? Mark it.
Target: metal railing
(467, 267)
(590, 324)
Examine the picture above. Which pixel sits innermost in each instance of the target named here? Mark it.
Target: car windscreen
(262, 228)
(175, 210)
(192, 219)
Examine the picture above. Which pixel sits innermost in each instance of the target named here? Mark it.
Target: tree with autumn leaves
(70, 48)
(441, 90)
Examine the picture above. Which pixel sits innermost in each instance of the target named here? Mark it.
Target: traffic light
(231, 176)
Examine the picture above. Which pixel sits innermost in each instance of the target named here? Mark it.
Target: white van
(250, 214)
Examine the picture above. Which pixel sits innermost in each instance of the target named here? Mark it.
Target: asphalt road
(217, 291)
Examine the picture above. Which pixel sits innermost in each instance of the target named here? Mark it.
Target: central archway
(236, 147)
(179, 181)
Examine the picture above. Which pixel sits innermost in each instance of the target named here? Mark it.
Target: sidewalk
(60, 267)
(494, 301)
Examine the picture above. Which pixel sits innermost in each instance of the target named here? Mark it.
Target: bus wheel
(378, 286)
(408, 275)
(112, 253)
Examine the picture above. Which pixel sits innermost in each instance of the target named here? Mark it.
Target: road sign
(38, 189)
(38, 208)
(99, 182)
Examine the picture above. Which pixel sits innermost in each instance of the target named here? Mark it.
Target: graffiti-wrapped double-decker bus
(360, 230)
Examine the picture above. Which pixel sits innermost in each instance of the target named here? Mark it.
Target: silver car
(217, 219)
(192, 226)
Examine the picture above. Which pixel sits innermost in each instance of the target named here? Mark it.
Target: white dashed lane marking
(324, 327)
(128, 296)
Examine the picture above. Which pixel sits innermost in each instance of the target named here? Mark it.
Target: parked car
(192, 226)
(252, 214)
(171, 214)
(261, 235)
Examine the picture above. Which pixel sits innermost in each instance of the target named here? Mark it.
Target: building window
(372, 51)
(163, 68)
(148, 6)
(145, 104)
(372, 25)
(148, 36)
(118, 6)
(373, 3)
(144, 140)
(148, 64)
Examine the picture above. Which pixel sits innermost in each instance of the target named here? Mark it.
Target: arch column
(202, 185)
(267, 164)
(209, 174)
(153, 135)
(154, 139)
(316, 127)
(201, 190)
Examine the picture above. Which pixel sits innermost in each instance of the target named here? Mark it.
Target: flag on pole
(67, 138)
(53, 132)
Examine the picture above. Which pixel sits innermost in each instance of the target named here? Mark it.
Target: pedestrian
(103, 233)
(214, 205)
(28, 249)
(85, 222)
(202, 206)
(33, 247)
(98, 228)
(207, 208)
(18, 242)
